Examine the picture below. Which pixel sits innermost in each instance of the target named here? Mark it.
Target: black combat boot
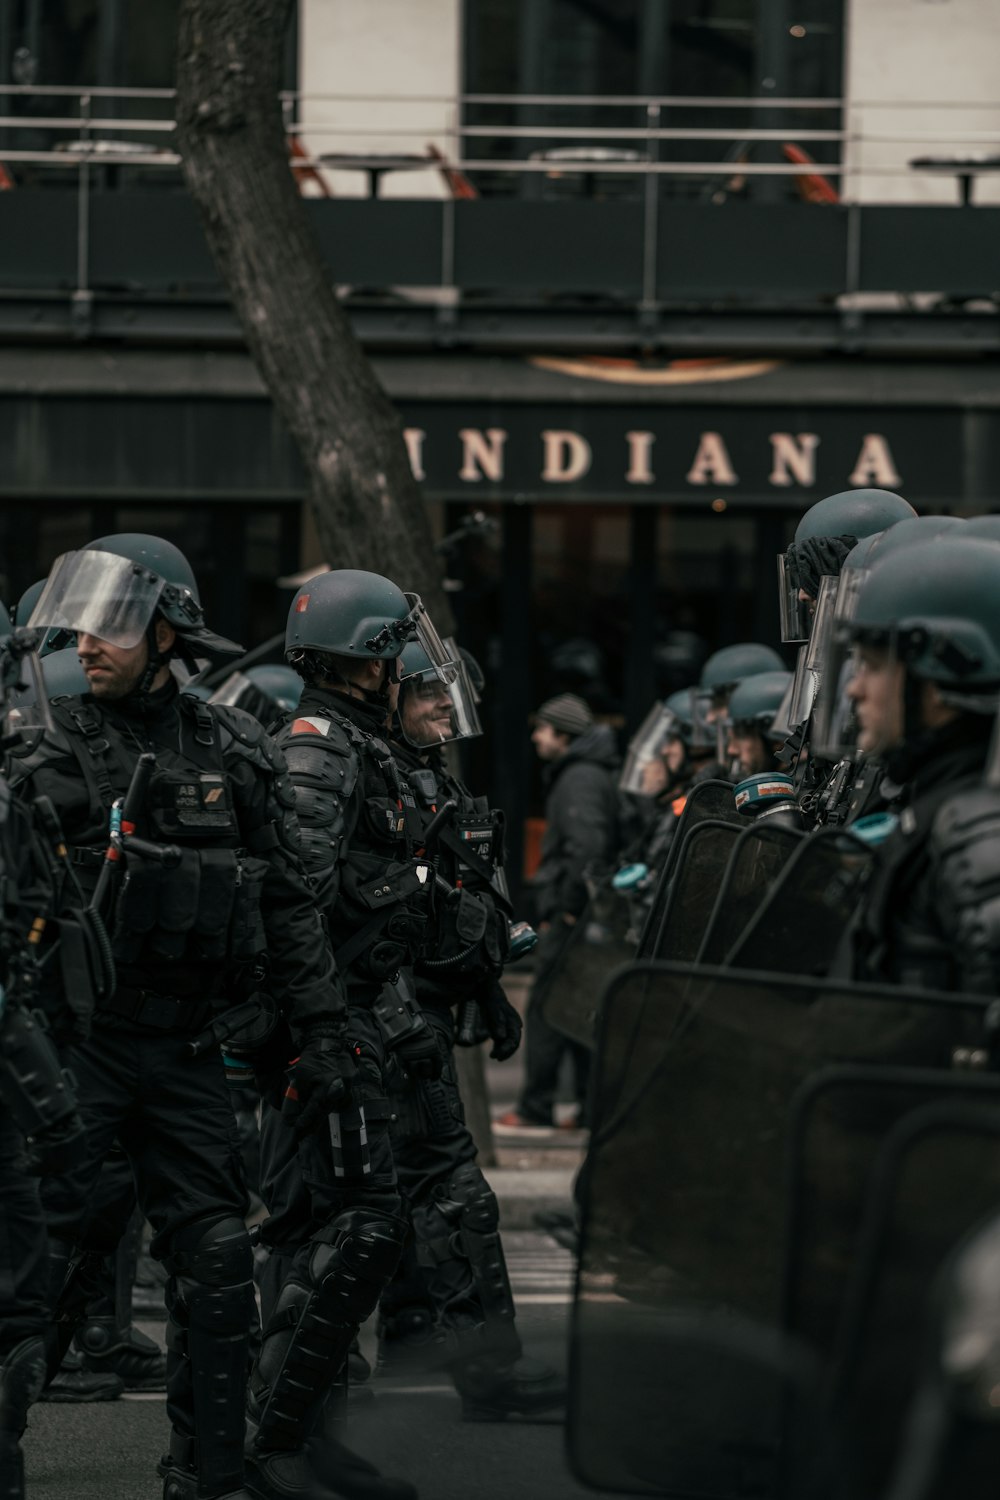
(181, 1480)
(73, 1383)
(492, 1391)
(126, 1352)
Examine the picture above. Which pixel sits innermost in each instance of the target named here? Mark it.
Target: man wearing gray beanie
(581, 838)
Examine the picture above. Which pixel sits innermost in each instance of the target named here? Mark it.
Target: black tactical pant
(24, 1309)
(544, 1046)
(174, 1119)
(459, 1279)
(336, 1232)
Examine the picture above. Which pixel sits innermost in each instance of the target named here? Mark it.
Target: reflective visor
(645, 772)
(98, 594)
(438, 705)
(796, 613)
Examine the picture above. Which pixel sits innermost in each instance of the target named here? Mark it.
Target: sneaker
(73, 1382)
(512, 1123)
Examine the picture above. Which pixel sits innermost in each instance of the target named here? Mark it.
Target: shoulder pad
(242, 734)
(337, 735)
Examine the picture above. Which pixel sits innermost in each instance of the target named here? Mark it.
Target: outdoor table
(965, 168)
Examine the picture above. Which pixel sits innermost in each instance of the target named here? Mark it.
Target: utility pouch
(180, 889)
(136, 908)
(398, 1015)
(190, 805)
(215, 905)
(384, 821)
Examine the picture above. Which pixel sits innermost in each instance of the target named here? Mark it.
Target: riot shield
(684, 1258)
(700, 868)
(758, 858)
(935, 1182)
(601, 941)
(801, 922)
(708, 800)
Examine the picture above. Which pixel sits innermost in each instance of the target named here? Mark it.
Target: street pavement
(108, 1451)
(412, 1428)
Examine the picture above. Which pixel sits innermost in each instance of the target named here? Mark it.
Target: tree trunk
(369, 511)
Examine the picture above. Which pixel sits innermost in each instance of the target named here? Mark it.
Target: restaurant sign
(680, 453)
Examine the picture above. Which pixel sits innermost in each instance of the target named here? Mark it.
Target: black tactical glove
(419, 1054)
(322, 1079)
(503, 1022)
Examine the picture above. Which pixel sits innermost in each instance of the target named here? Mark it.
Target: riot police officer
(451, 1302)
(749, 719)
(924, 683)
(212, 877)
(827, 532)
(724, 671)
(336, 1245)
(40, 1127)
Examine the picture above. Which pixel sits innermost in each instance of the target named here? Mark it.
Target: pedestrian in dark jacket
(581, 839)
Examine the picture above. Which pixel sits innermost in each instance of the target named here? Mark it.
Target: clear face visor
(98, 594)
(796, 613)
(797, 704)
(822, 626)
(645, 773)
(438, 706)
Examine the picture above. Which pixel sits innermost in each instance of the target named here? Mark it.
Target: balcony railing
(524, 228)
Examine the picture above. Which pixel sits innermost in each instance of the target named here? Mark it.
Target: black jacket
(89, 760)
(581, 811)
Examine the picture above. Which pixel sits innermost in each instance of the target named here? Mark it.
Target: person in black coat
(581, 840)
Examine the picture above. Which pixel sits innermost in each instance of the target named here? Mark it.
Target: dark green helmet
(935, 605)
(860, 554)
(729, 666)
(681, 706)
(279, 683)
(907, 533)
(855, 513)
(985, 527)
(26, 603)
(348, 612)
(63, 674)
(756, 699)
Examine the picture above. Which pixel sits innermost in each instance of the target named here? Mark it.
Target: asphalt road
(109, 1451)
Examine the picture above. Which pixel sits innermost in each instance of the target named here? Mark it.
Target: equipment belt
(164, 1012)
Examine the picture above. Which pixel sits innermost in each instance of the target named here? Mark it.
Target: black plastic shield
(709, 800)
(691, 898)
(757, 860)
(601, 942)
(801, 923)
(689, 1244)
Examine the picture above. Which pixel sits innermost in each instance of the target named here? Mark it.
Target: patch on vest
(311, 726)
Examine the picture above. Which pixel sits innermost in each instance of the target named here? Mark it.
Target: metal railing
(98, 139)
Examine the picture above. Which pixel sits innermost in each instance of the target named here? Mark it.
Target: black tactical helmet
(935, 606)
(279, 683)
(725, 668)
(22, 609)
(756, 700)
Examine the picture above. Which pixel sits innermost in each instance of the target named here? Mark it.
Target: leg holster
(210, 1304)
(334, 1285)
(459, 1248)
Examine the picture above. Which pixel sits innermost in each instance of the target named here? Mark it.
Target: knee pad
(333, 1286)
(472, 1235)
(213, 1268)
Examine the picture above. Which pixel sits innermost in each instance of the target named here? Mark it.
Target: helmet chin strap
(154, 661)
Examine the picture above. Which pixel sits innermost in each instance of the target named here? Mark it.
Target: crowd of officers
(886, 728)
(193, 901)
(314, 906)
